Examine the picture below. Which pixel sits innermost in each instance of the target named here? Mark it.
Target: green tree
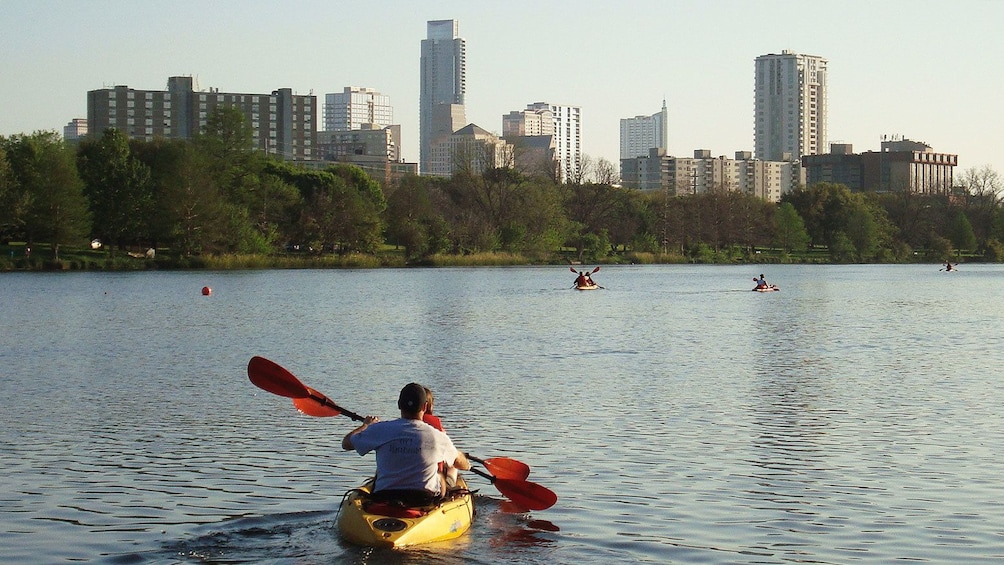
(226, 144)
(960, 233)
(863, 232)
(824, 207)
(412, 220)
(46, 177)
(341, 209)
(982, 188)
(188, 205)
(790, 232)
(14, 201)
(118, 189)
(939, 249)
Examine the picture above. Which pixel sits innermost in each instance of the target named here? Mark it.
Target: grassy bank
(13, 257)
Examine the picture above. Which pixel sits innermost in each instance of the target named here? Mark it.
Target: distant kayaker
(582, 279)
(408, 451)
(948, 266)
(761, 282)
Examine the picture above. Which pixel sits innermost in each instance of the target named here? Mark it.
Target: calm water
(855, 416)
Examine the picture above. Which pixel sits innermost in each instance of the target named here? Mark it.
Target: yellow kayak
(368, 523)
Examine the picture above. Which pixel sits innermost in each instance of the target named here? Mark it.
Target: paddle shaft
(328, 402)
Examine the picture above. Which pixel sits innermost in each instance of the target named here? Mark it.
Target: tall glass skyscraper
(790, 106)
(443, 86)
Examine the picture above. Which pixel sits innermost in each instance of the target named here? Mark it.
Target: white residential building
(565, 126)
(350, 109)
(789, 106)
(641, 133)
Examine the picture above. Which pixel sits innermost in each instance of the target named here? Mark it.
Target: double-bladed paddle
(524, 493)
(508, 475)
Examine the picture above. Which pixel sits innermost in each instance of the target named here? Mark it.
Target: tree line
(216, 194)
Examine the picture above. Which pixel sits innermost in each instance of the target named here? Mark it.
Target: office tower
(443, 86)
(350, 109)
(789, 106)
(641, 133)
(901, 165)
(282, 123)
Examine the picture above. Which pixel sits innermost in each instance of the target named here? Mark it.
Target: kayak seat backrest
(394, 510)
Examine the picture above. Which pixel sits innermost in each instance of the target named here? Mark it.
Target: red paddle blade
(315, 405)
(506, 468)
(572, 269)
(270, 376)
(526, 494)
(596, 269)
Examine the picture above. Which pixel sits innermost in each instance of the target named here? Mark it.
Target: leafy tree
(790, 234)
(46, 176)
(960, 233)
(842, 249)
(341, 209)
(939, 249)
(14, 201)
(411, 217)
(980, 191)
(824, 207)
(227, 141)
(118, 189)
(189, 205)
(863, 232)
(994, 251)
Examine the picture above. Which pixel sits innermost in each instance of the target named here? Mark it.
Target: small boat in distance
(584, 281)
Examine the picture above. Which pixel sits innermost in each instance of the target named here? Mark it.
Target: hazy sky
(926, 70)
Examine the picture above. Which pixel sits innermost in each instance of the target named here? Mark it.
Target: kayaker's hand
(370, 420)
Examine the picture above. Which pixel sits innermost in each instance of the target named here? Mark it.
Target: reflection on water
(680, 418)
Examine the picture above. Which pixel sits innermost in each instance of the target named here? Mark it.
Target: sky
(923, 70)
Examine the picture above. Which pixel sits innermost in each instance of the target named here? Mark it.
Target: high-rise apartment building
(642, 133)
(562, 122)
(350, 109)
(528, 123)
(789, 106)
(443, 87)
(282, 123)
(532, 134)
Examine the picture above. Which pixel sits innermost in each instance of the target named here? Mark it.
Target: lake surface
(855, 416)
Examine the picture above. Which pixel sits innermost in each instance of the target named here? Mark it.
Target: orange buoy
(206, 291)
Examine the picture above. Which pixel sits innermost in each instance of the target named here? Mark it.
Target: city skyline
(895, 68)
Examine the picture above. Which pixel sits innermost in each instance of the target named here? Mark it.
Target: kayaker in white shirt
(408, 451)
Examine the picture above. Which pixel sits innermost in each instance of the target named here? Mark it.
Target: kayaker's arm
(461, 461)
(347, 440)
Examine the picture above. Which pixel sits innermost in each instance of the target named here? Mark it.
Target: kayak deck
(364, 522)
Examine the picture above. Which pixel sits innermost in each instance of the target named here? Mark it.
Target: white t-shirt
(408, 453)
